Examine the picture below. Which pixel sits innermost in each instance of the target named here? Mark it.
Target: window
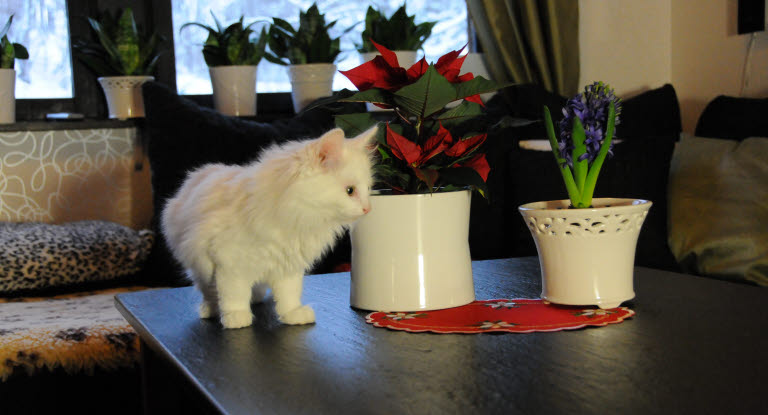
(192, 74)
(41, 26)
(52, 81)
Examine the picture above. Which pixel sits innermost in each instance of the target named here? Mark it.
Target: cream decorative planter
(7, 96)
(587, 256)
(123, 93)
(310, 82)
(234, 89)
(411, 252)
(405, 58)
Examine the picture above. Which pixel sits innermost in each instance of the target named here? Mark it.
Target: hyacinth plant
(586, 139)
(424, 146)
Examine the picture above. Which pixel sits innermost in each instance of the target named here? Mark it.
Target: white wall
(692, 44)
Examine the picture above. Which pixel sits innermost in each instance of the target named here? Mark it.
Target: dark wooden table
(696, 345)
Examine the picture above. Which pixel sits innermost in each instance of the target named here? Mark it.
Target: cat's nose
(366, 209)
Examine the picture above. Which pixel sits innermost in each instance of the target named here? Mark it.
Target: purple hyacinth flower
(591, 107)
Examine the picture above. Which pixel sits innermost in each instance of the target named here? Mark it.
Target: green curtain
(530, 41)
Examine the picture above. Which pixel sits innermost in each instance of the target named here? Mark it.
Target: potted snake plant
(123, 58)
(9, 52)
(309, 52)
(398, 33)
(232, 56)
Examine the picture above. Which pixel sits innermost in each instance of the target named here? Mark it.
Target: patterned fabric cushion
(38, 255)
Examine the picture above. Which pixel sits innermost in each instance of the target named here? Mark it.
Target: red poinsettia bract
(385, 72)
(417, 156)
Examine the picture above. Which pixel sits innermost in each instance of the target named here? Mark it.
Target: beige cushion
(718, 207)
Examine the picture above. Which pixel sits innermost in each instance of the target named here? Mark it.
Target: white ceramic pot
(587, 256)
(123, 93)
(411, 252)
(7, 96)
(310, 82)
(405, 58)
(234, 89)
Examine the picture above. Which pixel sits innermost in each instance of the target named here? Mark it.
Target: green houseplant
(396, 33)
(124, 57)
(9, 52)
(586, 245)
(309, 51)
(232, 54)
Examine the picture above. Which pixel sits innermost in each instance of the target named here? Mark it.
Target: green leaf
(373, 95)
(579, 148)
(355, 124)
(6, 27)
(565, 171)
(597, 164)
(462, 177)
(477, 85)
(459, 114)
(427, 95)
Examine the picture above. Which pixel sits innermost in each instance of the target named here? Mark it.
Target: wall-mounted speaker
(751, 16)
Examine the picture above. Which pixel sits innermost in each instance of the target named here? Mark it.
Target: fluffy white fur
(239, 230)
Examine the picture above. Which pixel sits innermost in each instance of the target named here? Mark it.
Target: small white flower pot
(7, 96)
(310, 82)
(587, 256)
(406, 58)
(411, 252)
(123, 94)
(234, 89)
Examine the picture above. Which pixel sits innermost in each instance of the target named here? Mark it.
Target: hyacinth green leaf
(565, 171)
(459, 114)
(355, 124)
(427, 95)
(580, 168)
(477, 85)
(594, 170)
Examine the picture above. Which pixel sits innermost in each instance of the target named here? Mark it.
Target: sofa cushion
(648, 130)
(734, 118)
(718, 194)
(183, 136)
(39, 256)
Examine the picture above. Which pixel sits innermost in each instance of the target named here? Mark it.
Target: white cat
(240, 229)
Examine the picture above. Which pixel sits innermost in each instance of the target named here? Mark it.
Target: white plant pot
(234, 89)
(123, 93)
(411, 252)
(587, 256)
(310, 82)
(405, 58)
(7, 96)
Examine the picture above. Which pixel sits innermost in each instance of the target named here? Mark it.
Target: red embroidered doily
(515, 316)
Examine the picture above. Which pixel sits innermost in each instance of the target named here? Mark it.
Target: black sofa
(182, 136)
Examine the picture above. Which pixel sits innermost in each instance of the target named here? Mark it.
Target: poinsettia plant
(425, 147)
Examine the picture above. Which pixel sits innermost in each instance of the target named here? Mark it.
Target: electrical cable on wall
(747, 71)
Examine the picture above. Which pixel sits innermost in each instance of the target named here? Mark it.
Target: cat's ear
(330, 147)
(367, 139)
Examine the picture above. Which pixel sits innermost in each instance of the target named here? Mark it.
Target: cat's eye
(351, 190)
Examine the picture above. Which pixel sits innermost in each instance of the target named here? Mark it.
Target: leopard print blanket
(77, 332)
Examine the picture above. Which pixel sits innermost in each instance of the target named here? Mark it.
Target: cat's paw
(206, 310)
(302, 315)
(236, 319)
